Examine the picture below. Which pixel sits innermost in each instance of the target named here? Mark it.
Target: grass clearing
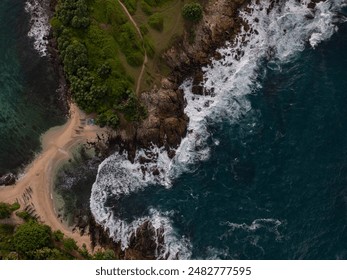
(158, 41)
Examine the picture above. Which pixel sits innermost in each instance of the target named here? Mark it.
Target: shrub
(104, 70)
(108, 118)
(144, 30)
(192, 12)
(146, 8)
(5, 211)
(58, 235)
(104, 255)
(15, 206)
(130, 5)
(32, 236)
(24, 215)
(156, 21)
(70, 244)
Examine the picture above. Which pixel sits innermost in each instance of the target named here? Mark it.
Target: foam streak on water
(275, 36)
(39, 24)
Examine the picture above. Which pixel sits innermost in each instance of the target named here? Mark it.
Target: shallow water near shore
(29, 104)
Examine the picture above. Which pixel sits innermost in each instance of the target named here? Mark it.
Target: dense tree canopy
(30, 237)
(89, 36)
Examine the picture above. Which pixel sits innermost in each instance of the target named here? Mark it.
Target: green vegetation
(30, 237)
(102, 52)
(156, 21)
(104, 255)
(7, 209)
(24, 215)
(158, 37)
(35, 241)
(92, 35)
(131, 5)
(192, 12)
(70, 244)
(147, 9)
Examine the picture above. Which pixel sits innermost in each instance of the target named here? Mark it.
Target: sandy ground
(34, 189)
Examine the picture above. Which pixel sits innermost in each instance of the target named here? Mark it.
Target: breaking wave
(273, 34)
(39, 24)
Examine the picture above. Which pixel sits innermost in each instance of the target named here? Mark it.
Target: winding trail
(34, 189)
(139, 79)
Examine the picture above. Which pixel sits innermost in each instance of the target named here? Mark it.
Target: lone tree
(192, 12)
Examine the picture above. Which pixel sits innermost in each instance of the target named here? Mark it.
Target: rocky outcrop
(166, 122)
(220, 23)
(145, 243)
(7, 179)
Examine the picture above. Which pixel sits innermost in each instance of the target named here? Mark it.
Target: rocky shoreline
(166, 123)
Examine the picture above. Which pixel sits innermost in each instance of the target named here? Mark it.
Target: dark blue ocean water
(28, 84)
(278, 190)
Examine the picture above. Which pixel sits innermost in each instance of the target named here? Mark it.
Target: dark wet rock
(156, 172)
(7, 179)
(145, 243)
(171, 153)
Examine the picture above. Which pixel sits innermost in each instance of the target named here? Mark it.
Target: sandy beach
(34, 189)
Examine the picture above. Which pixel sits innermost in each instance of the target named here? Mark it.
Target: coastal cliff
(166, 123)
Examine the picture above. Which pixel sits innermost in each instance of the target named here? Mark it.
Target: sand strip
(34, 189)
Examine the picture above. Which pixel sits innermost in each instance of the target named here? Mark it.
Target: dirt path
(34, 189)
(139, 79)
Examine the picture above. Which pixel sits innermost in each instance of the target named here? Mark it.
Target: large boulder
(7, 179)
(166, 123)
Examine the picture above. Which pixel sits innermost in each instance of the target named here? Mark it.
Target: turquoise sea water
(29, 103)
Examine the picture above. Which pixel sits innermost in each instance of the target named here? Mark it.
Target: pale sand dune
(56, 148)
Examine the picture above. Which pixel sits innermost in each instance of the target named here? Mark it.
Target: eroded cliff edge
(166, 123)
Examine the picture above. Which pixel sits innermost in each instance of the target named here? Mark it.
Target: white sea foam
(270, 225)
(39, 24)
(116, 177)
(274, 36)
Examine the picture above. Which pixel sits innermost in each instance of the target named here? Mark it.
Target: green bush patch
(156, 21)
(192, 12)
